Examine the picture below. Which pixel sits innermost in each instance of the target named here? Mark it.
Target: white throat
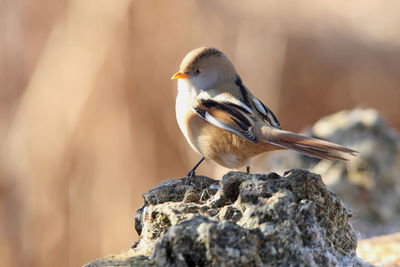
(186, 88)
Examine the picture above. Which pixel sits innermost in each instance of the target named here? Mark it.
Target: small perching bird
(223, 121)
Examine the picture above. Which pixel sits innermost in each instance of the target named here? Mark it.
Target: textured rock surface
(243, 220)
(369, 183)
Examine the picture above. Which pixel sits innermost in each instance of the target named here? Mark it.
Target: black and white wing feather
(249, 101)
(227, 115)
(266, 113)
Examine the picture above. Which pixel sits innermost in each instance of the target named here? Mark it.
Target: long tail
(306, 145)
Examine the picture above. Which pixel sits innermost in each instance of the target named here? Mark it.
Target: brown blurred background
(87, 119)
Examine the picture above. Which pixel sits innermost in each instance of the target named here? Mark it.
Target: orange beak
(179, 75)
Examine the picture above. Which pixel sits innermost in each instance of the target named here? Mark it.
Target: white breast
(183, 108)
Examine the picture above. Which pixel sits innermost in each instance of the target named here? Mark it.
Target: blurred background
(87, 118)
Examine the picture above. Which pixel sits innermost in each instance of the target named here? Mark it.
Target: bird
(224, 121)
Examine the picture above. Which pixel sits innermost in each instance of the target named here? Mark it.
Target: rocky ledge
(242, 220)
(369, 183)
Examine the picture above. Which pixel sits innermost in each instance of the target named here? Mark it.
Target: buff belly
(225, 148)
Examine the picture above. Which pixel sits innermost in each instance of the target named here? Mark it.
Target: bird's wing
(250, 100)
(227, 115)
(266, 113)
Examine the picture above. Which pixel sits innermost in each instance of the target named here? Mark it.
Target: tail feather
(306, 145)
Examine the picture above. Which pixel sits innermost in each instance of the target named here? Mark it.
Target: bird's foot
(248, 169)
(190, 176)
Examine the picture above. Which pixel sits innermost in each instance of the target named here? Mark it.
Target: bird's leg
(191, 172)
(248, 169)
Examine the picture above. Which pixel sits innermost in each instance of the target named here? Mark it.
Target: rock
(242, 220)
(369, 183)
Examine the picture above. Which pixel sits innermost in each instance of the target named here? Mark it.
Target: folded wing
(228, 116)
(266, 113)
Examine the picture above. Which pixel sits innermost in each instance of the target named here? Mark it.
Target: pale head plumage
(206, 67)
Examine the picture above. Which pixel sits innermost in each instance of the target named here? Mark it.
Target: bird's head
(205, 67)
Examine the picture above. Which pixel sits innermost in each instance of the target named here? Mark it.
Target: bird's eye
(197, 71)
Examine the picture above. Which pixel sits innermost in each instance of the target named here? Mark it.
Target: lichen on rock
(243, 220)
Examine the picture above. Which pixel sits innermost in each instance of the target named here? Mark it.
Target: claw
(191, 173)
